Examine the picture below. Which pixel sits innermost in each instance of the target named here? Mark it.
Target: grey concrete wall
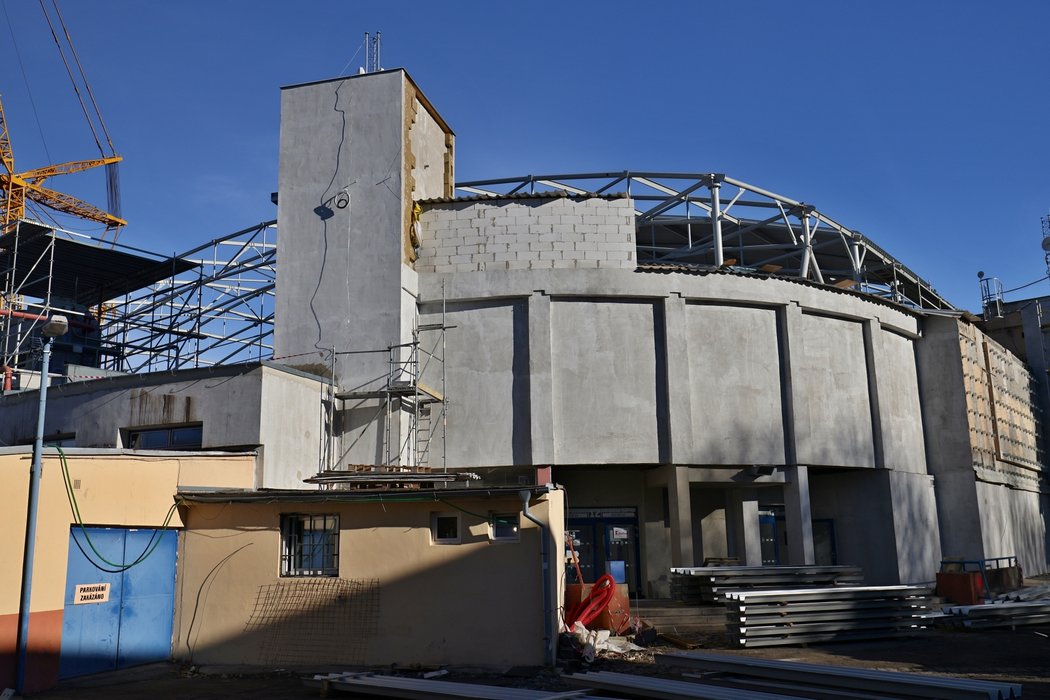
(1014, 524)
(734, 386)
(641, 368)
(489, 396)
(915, 525)
(606, 399)
(527, 234)
(831, 407)
(860, 504)
(901, 433)
(354, 153)
(228, 403)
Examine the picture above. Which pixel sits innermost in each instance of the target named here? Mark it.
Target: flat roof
(83, 272)
(203, 496)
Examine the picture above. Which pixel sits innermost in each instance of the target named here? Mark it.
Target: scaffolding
(409, 391)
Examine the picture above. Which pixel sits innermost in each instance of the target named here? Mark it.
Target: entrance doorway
(606, 541)
(115, 619)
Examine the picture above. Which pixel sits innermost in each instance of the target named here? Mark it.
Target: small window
(503, 527)
(309, 545)
(182, 437)
(444, 528)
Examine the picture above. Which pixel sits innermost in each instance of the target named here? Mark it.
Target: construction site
(639, 403)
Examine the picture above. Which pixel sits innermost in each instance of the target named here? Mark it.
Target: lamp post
(55, 326)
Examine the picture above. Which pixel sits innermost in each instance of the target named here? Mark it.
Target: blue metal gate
(117, 619)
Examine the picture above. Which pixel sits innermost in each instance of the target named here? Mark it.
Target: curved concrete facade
(615, 366)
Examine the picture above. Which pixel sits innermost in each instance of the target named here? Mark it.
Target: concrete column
(541, 392)
(871, 328)
(681, 517)
(680, 416)
(798, 516)
(788, 319)
(742, 523)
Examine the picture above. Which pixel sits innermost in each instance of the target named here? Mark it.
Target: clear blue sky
(921, 124)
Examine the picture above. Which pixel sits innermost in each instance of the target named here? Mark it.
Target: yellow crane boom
(16, 187)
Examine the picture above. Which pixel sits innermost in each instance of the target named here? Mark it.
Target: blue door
(112, 618)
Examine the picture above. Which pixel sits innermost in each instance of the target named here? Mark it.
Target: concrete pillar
(680, 417)
(742, 523)
(541, 391)
(788, 319)
(681, 517)
(871, 328)
(798, 516)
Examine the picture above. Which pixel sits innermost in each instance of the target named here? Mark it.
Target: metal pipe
(716, 223)
(548, 607)
(30, 543)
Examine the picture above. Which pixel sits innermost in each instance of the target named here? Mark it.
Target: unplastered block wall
(527, 234)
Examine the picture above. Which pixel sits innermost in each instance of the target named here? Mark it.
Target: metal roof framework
(220, 312)
(45, 270)
(715, 221)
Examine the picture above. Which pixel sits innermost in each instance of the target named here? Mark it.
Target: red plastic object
(592, 606)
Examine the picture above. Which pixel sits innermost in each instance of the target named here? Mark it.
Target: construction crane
(18, 187)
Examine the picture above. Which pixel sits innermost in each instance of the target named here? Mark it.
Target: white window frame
(513, 537)
(434, 539)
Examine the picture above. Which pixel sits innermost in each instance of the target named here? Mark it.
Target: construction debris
(771, 618)
(810, 679)
(405, 687)
(709, 584)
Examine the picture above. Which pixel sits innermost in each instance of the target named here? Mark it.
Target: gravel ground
(1021, 656)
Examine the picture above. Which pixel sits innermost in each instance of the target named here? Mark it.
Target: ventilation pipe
(548, 607)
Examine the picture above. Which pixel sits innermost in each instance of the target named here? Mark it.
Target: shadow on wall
(478, 605)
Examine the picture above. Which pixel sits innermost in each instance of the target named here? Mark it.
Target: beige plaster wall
(399, 597)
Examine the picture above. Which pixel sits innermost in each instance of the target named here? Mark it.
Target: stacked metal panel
(821, 680)
(802, 616)
(709, 584)
(1003, 614)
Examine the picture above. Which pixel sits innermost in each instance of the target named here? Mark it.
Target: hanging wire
(72, 79)
(25, 79)
(1025, 286)
(83, 77)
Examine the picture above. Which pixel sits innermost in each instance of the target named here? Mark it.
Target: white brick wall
(527, 234)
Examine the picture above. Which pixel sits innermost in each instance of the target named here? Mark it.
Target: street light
(53, 328)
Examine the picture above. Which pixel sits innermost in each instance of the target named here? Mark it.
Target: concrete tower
(355, 155)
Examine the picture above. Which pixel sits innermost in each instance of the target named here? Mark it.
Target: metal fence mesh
(311, 621)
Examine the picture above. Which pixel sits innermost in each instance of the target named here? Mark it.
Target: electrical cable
(1025, 286)
(151, 545)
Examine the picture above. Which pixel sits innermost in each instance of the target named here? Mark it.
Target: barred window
(309, 544)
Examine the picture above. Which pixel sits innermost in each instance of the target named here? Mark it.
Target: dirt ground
(1021, 656)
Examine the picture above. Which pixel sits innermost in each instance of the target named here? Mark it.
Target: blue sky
(921, 124)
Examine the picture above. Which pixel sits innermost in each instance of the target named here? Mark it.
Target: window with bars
(309, 544)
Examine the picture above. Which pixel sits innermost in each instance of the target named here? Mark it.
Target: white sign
(91, 593)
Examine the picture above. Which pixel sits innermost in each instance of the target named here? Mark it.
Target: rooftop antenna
(372, 48)
(1046, 242)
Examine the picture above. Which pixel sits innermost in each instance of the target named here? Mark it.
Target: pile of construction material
(709, 584)
(738, 674)
(1026, 606)
(802, 616)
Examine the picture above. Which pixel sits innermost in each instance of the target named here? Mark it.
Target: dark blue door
(133, 625)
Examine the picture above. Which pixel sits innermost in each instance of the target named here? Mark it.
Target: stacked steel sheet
(709, 584)
(821, 680)
(801, 616)
(1001, 614)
